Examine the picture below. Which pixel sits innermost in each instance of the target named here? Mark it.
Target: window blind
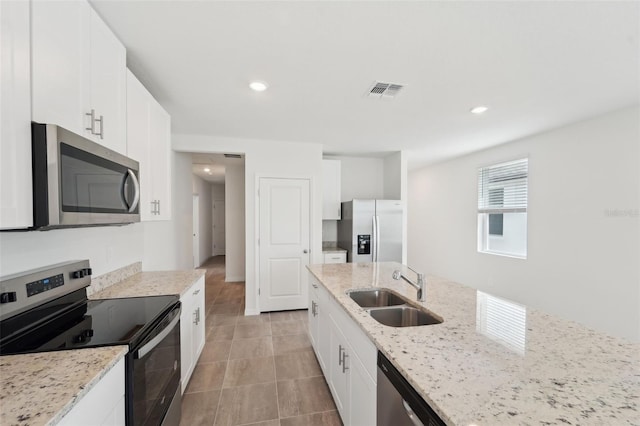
(502, 188)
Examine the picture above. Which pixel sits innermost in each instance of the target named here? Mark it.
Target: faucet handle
(396, 274)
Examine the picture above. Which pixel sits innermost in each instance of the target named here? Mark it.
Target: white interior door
(218, 228)
(196, 231)
(284, 243)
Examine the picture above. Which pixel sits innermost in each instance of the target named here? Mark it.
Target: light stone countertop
(478, 369)
(41, 388)
(151, 284)
(333, 250)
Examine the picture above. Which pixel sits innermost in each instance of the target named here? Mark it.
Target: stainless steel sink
(404, 316)
(391, 309)
(375, 298)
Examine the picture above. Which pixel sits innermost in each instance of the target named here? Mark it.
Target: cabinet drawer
(335, 257)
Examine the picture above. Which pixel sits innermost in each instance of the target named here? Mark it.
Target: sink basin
(376, 298)
(403, 316)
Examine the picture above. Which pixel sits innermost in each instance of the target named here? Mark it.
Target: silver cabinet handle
(158, 207)
(92, 116)
(196, 292)
(339, 354)
(344, 361)
(314, 285)
(101, 121)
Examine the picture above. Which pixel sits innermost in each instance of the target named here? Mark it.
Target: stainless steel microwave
(77, 182)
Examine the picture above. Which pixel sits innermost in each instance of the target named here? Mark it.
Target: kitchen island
(494, 362)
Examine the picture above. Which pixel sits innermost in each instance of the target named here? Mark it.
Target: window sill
(497, 253)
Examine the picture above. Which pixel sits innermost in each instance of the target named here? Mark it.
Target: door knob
(305, 251)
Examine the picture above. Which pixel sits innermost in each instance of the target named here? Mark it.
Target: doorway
(218, 227)
(196, 230)
(284, 242)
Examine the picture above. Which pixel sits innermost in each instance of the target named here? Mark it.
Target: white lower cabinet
(103, 405)
(192, 332)
(335, 257)
(347, 357)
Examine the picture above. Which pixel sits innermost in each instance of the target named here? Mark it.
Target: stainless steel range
(46, 309)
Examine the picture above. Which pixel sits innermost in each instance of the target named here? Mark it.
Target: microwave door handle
(136, 186)
(140, 353)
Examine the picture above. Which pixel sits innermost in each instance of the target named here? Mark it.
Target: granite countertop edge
(152, 283)
(88, 387)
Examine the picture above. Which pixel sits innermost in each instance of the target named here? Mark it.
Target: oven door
(155, 372)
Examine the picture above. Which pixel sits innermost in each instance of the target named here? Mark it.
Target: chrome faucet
(420, 285)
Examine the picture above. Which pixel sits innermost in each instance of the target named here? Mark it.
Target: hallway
(257, 370)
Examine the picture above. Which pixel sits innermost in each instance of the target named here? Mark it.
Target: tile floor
(257, 370)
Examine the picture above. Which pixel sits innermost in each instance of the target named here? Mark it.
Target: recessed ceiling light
(479, 109)
(258, 86)
(206, 169)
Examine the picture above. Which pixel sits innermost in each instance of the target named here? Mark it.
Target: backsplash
(113, 277)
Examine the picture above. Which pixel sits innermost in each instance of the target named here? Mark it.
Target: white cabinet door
(160, 160)
(335, 257)
(187, 362)
(338, 369)
(362, 395)
(15, 116)
(108, 65)
(103, 404)
(192, 330)
(198, 339)
(149, 143)
(78, 66)
(331, 190)
(60, 41)
(313, 315)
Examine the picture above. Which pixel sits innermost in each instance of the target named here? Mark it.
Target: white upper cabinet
(331, 190)
(78, 72)
(108, 89)
(149, 142)
(15, 116)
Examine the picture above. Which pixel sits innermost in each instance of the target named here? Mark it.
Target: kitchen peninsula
(475, 368)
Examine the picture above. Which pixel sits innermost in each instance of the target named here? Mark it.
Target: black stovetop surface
(75, 322)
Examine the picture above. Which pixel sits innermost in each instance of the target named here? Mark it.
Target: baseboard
(248, 312)
(233, 279)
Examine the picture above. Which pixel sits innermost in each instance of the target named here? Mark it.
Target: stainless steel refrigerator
(371, 230)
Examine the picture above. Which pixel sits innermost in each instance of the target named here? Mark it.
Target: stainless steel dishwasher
(398, 403)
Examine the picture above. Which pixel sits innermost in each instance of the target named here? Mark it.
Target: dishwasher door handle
(412, 416)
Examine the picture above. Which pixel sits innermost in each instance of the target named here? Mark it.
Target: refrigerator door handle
(376, 235)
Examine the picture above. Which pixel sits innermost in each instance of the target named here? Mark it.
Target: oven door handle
(140, 353)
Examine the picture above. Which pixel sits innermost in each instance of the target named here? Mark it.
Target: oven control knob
(8, 297)
(78, 274)
(87, 271)
(88, 333)
(80, 338)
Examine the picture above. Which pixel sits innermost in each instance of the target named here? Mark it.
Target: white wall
(217, 191)
(106, 247)
(266, 159)
(205, 221)
(583, 223)
(217, 194)
(234, 213)
(168, 244)
(361, 177)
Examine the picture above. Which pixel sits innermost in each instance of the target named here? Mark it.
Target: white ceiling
(216, 165)
(538, 65)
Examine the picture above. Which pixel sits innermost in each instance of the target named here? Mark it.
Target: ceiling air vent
(233, 155)
(384, 90)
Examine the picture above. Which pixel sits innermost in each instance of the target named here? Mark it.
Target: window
(502, 208)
